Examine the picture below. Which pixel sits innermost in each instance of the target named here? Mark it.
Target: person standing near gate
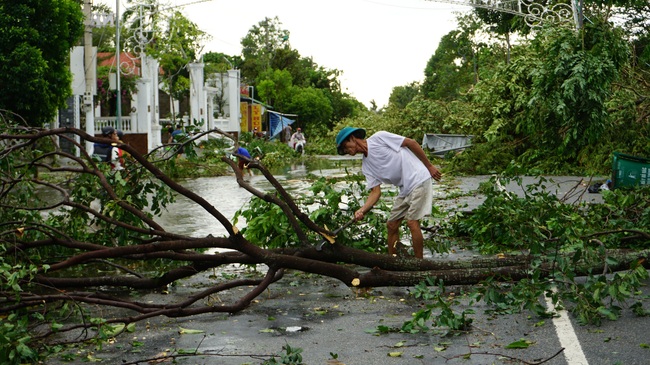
(178, 136)
(393, 159)
(109, 152)
(285, 135)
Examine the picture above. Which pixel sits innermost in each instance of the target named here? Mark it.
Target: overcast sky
(378, 44)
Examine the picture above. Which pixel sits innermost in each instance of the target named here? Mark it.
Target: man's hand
(373, 197)
(417, 150)
(435, 173)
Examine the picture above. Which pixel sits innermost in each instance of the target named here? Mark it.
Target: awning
(277, 121)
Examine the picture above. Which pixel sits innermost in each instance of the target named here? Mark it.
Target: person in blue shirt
(239, 152)
(177, 136)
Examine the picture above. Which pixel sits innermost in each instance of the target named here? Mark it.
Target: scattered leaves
(521, 344)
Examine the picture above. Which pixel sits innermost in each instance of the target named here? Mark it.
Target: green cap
(345, 133)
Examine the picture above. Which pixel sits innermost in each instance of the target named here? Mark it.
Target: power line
(187, 4)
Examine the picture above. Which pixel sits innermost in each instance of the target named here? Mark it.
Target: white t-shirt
(115, 159)
(388, 162)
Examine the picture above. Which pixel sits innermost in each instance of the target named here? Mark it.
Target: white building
(216, 104)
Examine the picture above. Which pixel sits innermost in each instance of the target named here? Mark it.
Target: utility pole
(577, 11)
(89, 69)
(118, 112)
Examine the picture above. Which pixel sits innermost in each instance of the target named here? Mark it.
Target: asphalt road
(329, 320)
(333, 324)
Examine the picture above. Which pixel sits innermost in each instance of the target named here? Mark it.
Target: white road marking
(567, 336)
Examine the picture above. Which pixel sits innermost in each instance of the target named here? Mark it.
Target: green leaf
(113, 330)
(607, 313)
(521, 344)
(611, 261)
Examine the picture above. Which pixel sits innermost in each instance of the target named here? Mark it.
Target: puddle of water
(186, 217)
(223, 192)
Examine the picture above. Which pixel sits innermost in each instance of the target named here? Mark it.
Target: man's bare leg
(393, 235)
(416, 237)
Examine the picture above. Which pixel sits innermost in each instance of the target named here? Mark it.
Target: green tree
(220, 62)
(572, 84)
(260, 46)
(401, 96)
(279, 74)
(35, 41)
(550, 104)
(274, 86)
(177, 45)
(312, 107)
(503, 24)
(452, 67)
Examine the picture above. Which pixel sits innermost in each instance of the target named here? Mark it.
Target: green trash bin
(628, 171)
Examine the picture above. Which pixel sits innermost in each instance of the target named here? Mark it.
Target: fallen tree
(73, 231)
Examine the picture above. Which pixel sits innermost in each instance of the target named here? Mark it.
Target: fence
(125, 124)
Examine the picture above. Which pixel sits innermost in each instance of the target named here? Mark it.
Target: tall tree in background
(35, 41)
(503, 24)
(291, 83)
(175, 42)
(401, 96)
(550, 105)
(453, 68)
(572, 84)
(179, 45)
(261, 45)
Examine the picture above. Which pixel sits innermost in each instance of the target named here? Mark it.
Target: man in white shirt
(393, 159)
(298, 136)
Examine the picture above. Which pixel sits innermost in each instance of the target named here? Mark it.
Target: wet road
(327, 319)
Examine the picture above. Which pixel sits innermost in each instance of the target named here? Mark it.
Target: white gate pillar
(149, 67)
(198, 104)
(233, 101)
(143, 110)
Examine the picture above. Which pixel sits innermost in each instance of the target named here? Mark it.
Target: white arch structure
(534, 14)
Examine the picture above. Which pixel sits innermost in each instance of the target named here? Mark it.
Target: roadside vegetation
(542, 101)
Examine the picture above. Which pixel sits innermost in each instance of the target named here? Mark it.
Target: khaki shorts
(414, 206)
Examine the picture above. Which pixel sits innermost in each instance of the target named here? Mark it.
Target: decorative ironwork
(534, 13)
(98, 20)
(537, 13)
(140, 21)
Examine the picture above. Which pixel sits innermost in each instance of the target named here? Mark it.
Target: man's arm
(373, 197)
(412, 145)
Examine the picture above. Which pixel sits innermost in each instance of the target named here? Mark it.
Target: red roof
(126, 60)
